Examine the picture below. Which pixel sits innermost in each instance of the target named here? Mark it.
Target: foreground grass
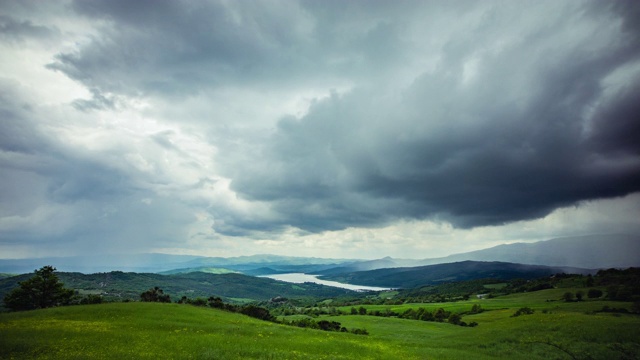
(557, 330)
(171, 331)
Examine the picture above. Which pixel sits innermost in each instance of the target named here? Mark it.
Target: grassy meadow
(556, 330)
(169, 331)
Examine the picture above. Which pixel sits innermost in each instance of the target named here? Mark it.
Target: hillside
(410, 277)
(121, 285)
(169, 331)
(556, 330)
(204, 269)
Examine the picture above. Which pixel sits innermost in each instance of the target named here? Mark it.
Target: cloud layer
(193, 125)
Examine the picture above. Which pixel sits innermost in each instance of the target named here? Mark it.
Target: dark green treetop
(43, 290)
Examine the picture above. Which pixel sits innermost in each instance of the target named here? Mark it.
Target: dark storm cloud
(178, 48)
(506, 115)
(472, 155)
(16, 31)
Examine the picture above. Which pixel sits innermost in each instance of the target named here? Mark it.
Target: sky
(344, 129)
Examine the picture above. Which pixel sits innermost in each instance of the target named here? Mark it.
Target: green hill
(204, 269)
(117, 285)
(411, 277)
(556, 330)
(170, 331)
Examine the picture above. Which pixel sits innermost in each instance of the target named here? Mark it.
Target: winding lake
(298, 278)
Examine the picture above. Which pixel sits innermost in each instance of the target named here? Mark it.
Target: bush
(360, 331)
(155, 295)
(91, 299)
(257, 312)
(594, 293)
(454, 319)
(568, 297)
(523, 311)
(329, 325)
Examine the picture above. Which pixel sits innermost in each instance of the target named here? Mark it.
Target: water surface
(298, 278)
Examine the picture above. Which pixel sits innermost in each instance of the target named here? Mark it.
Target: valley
(230, 309)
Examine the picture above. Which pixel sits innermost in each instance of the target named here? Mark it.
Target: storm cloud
(196, 121)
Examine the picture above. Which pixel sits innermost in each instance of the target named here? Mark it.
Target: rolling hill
(135, 330)
(231, 286)
(409, 277)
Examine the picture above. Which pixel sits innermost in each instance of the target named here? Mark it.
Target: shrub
(523, 311)
(257, 312)
(155, 295)
(91, 299)
(594, 293)
(360, 331)
(568, 297)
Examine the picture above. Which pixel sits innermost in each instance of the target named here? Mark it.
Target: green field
(557, 330)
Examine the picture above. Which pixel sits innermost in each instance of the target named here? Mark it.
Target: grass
(171, 331)
(556, 330)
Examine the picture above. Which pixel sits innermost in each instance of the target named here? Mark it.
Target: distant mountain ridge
(591, 252)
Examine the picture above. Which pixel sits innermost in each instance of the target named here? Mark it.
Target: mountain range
(585, 252)
(592, 252)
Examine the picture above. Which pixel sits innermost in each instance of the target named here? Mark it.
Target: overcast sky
(347, 129)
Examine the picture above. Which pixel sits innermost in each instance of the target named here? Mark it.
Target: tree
(43, 290)
(215, 302)
(440, 315)
(568, 296)
(594, 293)
(579, 295)
(589, 281)
(155, 295)
(257, 312)
(454, 319)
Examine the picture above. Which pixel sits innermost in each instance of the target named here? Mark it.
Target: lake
(298, 278)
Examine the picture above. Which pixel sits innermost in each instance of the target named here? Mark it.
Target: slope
(171, 331)
(409, 277)
(121, 285)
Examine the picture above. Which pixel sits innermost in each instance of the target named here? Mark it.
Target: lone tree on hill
(43, 290)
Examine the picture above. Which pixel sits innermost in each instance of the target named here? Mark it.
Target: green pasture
(172, 331)
(545, 299)
(556, 330)
(498, 335)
